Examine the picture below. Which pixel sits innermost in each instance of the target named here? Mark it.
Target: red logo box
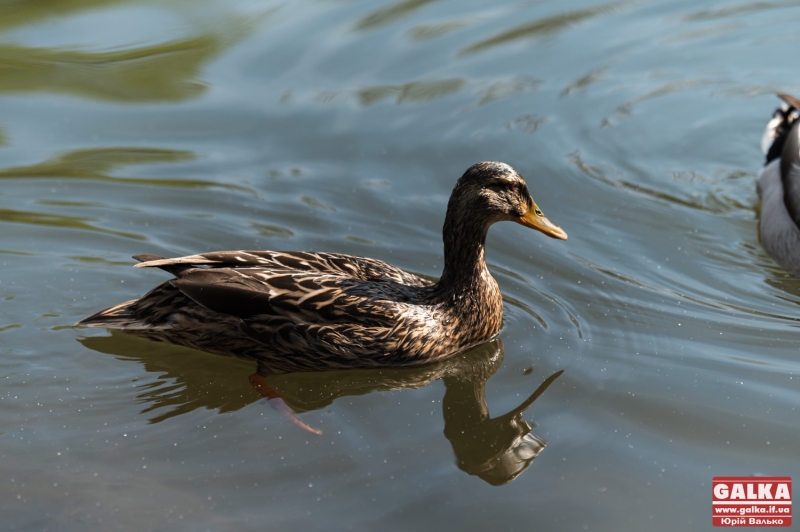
(751, 501)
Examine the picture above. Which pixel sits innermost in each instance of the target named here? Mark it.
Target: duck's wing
(297, 296)
(790, 174)
(362, 268)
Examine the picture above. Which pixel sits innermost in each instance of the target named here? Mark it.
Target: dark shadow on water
(495, 449)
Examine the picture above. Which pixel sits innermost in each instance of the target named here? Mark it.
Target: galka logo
(751, 501)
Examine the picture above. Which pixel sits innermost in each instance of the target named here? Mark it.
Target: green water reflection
(746, 8)
(13, 14)
(97, 164)
(57, 220)
(416, 91)
(391, 13)
(424, 91)
(163, 72)
(540, 28)
(424, 32)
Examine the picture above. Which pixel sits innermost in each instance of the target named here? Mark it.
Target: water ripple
(742, 9)
(391, 13)
(541, 27)
(717, 200)
(96, 164)
(56, 220)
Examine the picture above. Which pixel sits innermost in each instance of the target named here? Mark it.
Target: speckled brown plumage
(301, 311)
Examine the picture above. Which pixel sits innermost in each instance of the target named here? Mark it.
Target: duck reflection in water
(495, 449)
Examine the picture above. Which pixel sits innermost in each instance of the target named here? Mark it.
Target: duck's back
(291, 261)
(303, 307)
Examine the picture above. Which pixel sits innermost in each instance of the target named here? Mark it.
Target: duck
(295, 311)
(779, 186)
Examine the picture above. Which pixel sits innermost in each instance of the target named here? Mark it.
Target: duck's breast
(779, 234)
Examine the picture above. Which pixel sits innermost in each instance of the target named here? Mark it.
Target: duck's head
(492, 192)
(778, 128)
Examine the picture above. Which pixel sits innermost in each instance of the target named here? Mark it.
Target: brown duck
(308, 311)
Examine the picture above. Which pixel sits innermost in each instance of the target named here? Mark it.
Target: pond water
(179, 127)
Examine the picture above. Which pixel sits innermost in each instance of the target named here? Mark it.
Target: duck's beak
(541, 223)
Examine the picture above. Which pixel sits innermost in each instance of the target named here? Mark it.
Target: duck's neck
(465, 269)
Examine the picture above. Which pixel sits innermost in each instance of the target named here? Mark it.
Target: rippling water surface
(179, 127)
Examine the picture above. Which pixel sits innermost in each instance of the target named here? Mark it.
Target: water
(180, 127)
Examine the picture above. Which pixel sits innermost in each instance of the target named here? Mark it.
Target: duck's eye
(512, 187)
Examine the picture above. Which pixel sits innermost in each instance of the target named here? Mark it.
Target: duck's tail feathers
(789, 99)
(120, 316)
(174, 269)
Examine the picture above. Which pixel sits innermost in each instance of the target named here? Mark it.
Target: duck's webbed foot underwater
(276, 401)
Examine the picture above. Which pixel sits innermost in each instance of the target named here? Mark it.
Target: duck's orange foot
(276, 401)
(280, 405)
